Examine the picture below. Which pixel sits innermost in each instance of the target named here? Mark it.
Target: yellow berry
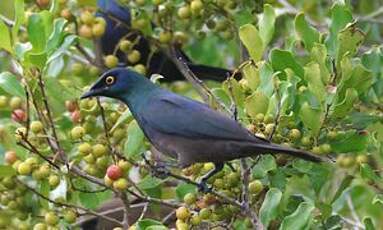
(182, 213)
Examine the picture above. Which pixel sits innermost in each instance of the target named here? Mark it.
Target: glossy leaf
(183, 189)
(19, 17)
(352, 141)
(250, 37)
(251, 74)
(269, 208)
(349, 41)
(283, 59)
(368, 174)
(319, 55)
(36, 33)
(10, 84)
(135, 139)
(150, 224)
(314, 81)
(265, 164)
(298, 219)
(311, 118)
(5, 38)
(308, 34)
(256, 103)
(267, 24)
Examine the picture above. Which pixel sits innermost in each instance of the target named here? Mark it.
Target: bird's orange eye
(109, 80)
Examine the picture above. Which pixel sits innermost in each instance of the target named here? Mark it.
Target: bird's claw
(203, 187)
(160, 171)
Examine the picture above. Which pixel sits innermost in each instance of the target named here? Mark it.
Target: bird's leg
(157, 170)
(202, 185)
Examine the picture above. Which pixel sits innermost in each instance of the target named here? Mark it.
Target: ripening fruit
(114, 172)
(196, 6)
(140, 2)
(180, 225)
(36, 126)
(332, 135)
(87, 18)
(157, 2)
(89, 159)
(124, 165)
(85, 148)
(120, 184)
(15, 103)
(316, 150)
(43, 3)
(140, 68)
(111, 61)
(190, 198)
(134, 56)
(325, 148)
(183, 12)
(205, 213)
(182, 213)
(255, 187)
(70, 216)
(71, 106)
(295, 134)
(51, 218)
(306, 141)
(98, 29)
(40, 226)
(65, 13)
(362, 159)
(99, 150)
(75, 116)
(3, 101)
(77, 132)
(165, 37)
(10, 157)
(196, 220)
(180, 37)
(108, 181)
(125, 45)
(85, 31)
(24, 168)
(54, 181)
(19, 115)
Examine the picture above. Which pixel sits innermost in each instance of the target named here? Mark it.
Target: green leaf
(183, 189)
(346, 182)
(266, 24)
(352, 141)
(298, 219)
(368, 223)
(269, 208)
(57, 35)
(349, 41)
(10, 84)
(68, 41)
(359, 78)
(311, 118)
(340, 16)
(319, 55)
(151, 186)
(250, 37)
(256, 103)
(7, 171)
(378, 199)
(36, 33)
(126, 117)
(368, 173)
(150, 224)
(283, 59)
(135, 139)
(19, 18)
(5, 38)
(251, 74)
(264, 165)
(314, 81)
(302, 165)
(243, 17)
(343, 108)
(308, 34)
(318, 176)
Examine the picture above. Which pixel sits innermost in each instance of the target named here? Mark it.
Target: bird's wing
(175, 115)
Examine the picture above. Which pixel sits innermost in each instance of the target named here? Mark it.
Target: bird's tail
(210, 73)
(274, 148)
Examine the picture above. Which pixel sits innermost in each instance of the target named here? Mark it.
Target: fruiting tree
(306, 74)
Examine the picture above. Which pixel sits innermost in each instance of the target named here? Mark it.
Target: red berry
(114, 172)
(10, 157)
(76, 117)
(19, 115)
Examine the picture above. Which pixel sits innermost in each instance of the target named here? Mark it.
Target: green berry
(24, 168)
(77, 132)
(205, 213)
(125, 45)
(15, 103)
(182, 213)
(85, 148)
(111, 61)
(295, 134)
(54, 181)
(51, 218)
(183, 12)
(255, 187)
(325, 148)
(36, 126)
(99, 150)
(190, 198)
(70, 216)
(3, 101)
(120, 184)
(134, 56)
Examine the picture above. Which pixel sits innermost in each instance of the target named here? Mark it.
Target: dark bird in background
(184, 128)
(118, 25)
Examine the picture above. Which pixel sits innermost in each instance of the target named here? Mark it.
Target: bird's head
(118, 83)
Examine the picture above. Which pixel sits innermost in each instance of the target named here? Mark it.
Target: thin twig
(70, 205)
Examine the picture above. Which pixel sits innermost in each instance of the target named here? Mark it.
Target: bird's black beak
(91, 93)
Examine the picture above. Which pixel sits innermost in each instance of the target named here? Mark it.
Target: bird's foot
(160, 171)
(203, 187)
